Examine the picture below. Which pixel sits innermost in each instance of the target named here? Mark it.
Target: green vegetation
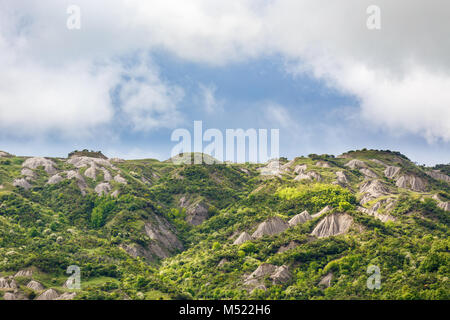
(139, 245)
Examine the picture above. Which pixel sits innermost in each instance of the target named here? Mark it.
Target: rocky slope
(145, 229)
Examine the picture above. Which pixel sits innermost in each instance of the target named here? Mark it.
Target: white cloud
(400, 74)
(208, 99)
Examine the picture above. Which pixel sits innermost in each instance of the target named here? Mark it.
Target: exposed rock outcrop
(281, 275)
(300, 218)
(270, 227)
(50, 294)
(34, 285)
(119, 179)
(22, 183)
(326, 281)
(196, 211)
(368, 173)
(24, 273)
(411, 182)
(67, 296)
(391, 171)
(321, 212)
(436, 174)
(311, 175)
(34, 163)
(81, 183)
(341, 178)
(444, 206)
(372, 189)
(332, 225)
(323, 164)
(103, 188)
(278, 275)
(55, 179)
(300, 168)
(243, 237)
(26, 172)
(356, 164)
(165, 242)
(272, 168)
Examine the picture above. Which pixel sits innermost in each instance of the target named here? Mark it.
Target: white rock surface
(411, 182)
(368, 173)
(332, 225)
(391, 171)
(34, 163)
(436, 174)
(49, 294)
(321, 212)
(34, 285)
(341, 178)
(103, 188)
(270, 227)
(356, 164)
(55, 179)
(371, 190)
(22, 183)
(243, 237)
(120, 179)
(300, 218)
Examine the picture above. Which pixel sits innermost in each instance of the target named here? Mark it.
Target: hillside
(146, 229)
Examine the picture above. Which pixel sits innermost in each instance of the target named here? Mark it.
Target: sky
(134, 71)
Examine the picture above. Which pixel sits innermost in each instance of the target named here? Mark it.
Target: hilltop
(148, 229)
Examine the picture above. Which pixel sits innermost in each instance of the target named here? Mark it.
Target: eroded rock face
(26, 172)
(300, 168)
(273, 168)
(278, 275)
(323, 164)
(196, 212)
(321, 212)
(300, 218)
(372, 189)
(103, 188)
(341, 178)
(55, 179)
(332, 225)
(368, 173)
(67, 296)
(391, 171)
(243, 237)
(34, 285)
(81, 162)
(22, 183)
(326, 281)
(50, 294)
(311, 175)
(436, 174)
(34, 163)
(165, 240)
(444, 206)
(24, 273)
(281, 275)
(270, 227)
(81, 183)
(411, 182)
(356, 164)
(119, 179)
